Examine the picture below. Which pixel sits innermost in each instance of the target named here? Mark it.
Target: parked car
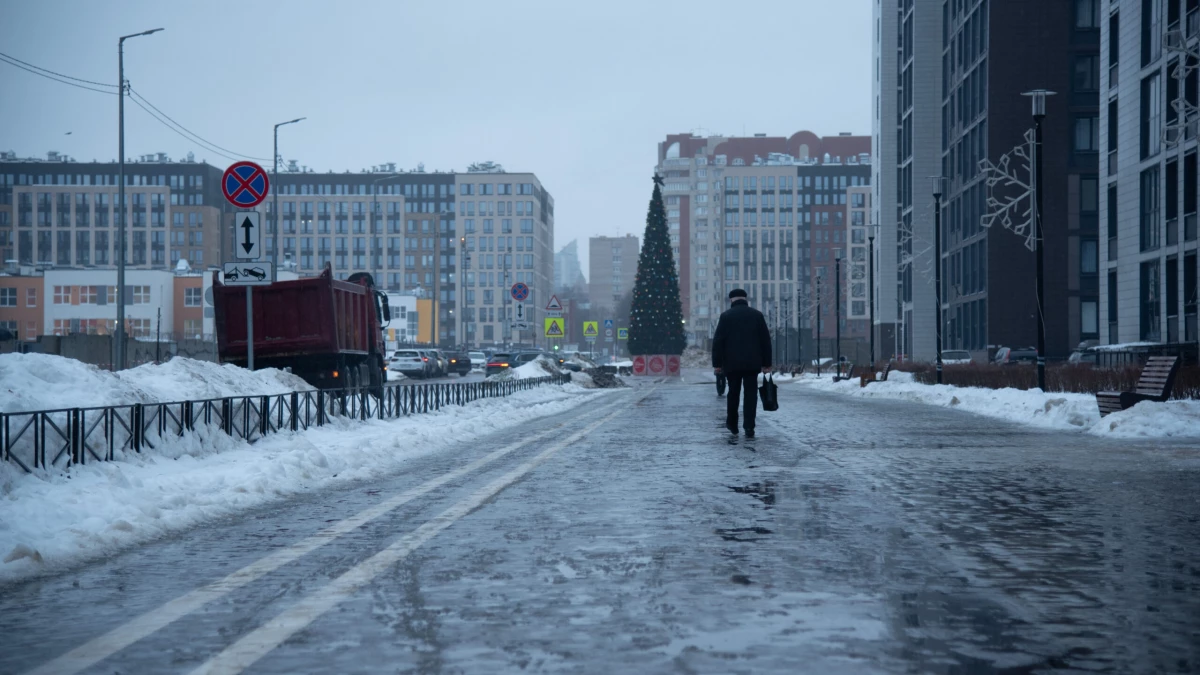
(478, 361)
(956, 357)
(460, 362)
(410, 363)
(1008, 356)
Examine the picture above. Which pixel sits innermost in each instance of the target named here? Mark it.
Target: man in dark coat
(741, 350)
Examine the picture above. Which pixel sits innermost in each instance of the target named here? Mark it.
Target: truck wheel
(376, 376)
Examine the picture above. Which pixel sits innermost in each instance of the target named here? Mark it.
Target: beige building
(612, 269)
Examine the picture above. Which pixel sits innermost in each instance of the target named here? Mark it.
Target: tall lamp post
(937, 269)
(275, 202)
(786, 319)
(837, 317)
(464, 263)
(1038, 99)
(871, 291)
(818, 325)
(119, 357)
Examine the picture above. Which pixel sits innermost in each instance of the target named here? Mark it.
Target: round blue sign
(519, 292)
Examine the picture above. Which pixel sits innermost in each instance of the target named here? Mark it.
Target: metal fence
(60, 438)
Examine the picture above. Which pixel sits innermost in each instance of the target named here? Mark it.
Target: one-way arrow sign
(249, 235)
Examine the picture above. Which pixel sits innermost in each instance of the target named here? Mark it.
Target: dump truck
(326, 331)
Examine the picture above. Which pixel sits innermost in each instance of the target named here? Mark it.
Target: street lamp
(937, 268)
(119, 360)
(1038, 99)
(871, 290)
(275, 201)
(837, 317)
(464, 262)
(819, 324)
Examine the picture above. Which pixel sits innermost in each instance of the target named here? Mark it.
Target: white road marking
(100, 648)
(261, 641)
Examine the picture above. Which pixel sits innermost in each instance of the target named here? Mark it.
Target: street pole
(871, 291)
(786, 352)
(818, 326)
(277, 240)
(1038, 98)
(119, 360)
(937, 271)
(837, 320)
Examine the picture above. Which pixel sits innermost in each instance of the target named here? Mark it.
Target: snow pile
(1030, 407)
(46, 382)
(696, 357)
(50, 520)
(542, 366)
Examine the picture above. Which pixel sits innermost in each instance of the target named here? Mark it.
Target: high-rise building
(63, 213)
(612, 269)
(1148, 285)
(950, 91)
(764, 213)
(567, 272)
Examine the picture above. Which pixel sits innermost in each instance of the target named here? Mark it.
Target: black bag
(768, 391)
(720, 384)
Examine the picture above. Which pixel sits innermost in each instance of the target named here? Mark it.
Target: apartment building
(1148, 272)
(410, 230)
(949, 91)
(907, 128)
(61, 212)
(612, 266)
(567, 271)
(858, 247)
(765, 213)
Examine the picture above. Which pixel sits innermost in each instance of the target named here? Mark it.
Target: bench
(849, 373)
(870, 377)
(1155, 383)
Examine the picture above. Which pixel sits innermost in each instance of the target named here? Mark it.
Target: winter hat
(737, 293)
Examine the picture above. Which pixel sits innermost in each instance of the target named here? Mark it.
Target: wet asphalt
(851, 536)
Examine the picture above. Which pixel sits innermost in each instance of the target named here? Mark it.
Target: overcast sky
(578, 95)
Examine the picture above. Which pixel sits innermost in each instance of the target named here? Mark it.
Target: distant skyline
(579, 95)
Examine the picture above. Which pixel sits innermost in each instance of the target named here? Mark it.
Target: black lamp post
(871, 290)
(1038, 98)
(818, 325)
(937, 270)
(837, 317)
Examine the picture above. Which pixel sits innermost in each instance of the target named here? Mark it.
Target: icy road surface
(853, 536)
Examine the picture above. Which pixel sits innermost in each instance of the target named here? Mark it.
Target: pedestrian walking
(741, 350)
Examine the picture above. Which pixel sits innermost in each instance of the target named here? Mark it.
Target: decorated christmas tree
(656, 319)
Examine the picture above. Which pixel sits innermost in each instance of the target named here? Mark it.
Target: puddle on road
(763, 492)
(742, 533)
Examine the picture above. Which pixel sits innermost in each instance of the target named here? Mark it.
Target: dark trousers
(747, 381)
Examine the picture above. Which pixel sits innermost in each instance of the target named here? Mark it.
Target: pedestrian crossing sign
(554, 328)
(591, 329)
(622, 333)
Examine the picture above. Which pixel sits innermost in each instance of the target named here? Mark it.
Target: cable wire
(180, 133)
(197, 137)
(5, 59)
(47, 70)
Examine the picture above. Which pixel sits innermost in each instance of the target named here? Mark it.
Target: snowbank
(51, 521)
(542, 366)
(1030, 407)
(46, 382)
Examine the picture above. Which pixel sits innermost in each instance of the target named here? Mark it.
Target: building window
(192, 297)
(62, 295)
(1087, 73)
(1087, 134)
(1087, 14)
(8, 297)
(1149, 301)
(1151, 31)
(1089, 194)
(1151, 116)
(141, 295)
(31, 297)
(1149, 226)
(1089, 319)
(193, 328)
(1089, 256)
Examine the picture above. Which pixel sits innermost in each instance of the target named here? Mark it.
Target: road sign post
(245, 185)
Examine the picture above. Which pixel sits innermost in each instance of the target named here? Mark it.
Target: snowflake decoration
(1012, 173)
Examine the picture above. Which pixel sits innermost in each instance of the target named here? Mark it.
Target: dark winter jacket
(742, 342)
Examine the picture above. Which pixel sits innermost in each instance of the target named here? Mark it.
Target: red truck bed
(319, 315)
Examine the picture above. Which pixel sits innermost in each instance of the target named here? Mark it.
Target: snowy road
(631, 536)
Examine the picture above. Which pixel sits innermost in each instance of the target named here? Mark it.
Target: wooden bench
(870, 377)
(849, 374)
(1155, 383)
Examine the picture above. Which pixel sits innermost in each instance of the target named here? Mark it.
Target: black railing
(60, 438)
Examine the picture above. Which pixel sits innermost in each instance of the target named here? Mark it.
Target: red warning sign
(639, 365)
(673, 364)
(656, 364)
